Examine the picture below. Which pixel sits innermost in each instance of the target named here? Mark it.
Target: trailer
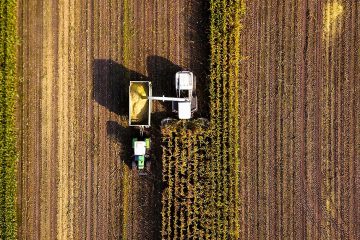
(140, 99)
(139, 104)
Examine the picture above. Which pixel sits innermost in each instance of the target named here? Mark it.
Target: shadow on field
(111, 89)
(124, 136)
(161, 72)
(111, 82)
(197, 36)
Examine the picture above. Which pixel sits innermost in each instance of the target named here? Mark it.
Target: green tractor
(141, 158)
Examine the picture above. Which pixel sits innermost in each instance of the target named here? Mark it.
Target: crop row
(186, 174)
(8, 155)
(225, 27)
(201, 165)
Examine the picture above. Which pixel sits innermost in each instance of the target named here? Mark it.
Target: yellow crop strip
(225, 27)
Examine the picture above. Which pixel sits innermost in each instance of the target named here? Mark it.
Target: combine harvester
(140, 107)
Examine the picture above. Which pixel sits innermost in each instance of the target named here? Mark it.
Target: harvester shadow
(111, 82)
(161, 72)
(197, 36)
(111, 85)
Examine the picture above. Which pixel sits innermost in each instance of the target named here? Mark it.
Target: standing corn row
(8, 156)
(201, 200)
(224, 94)
(184, 159)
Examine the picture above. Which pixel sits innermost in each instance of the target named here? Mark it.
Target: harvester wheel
(167, 121)
(204, 122)
(147, 143)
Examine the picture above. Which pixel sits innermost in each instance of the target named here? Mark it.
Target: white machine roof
(185, 80)
(139, 148)
(184, 110)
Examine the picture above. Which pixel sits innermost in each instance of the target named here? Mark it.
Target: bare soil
(76, 59)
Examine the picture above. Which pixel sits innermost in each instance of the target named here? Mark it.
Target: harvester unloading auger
(140, 105)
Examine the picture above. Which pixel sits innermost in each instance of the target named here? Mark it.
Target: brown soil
(300, 105)
(75, 61)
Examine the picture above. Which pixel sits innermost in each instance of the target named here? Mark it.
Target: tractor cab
(141, 158)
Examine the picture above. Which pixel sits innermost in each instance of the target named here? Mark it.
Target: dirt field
(300, 120)
(75, 61)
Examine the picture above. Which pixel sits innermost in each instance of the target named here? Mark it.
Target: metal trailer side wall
(139, 104)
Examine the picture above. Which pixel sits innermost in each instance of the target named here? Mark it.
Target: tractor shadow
(122, 135)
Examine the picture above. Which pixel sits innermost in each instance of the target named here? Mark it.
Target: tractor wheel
(133, 142)
(148, 166)
(147, 143)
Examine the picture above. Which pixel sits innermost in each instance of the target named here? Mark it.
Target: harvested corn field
(299, 120)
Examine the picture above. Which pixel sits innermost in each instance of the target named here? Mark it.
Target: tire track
(103, 163)
(94, 212)
(272, 123)
(317, 126)
(356, 189)
(46, 133)
(90, 120)
(352, 121)
(64, 230)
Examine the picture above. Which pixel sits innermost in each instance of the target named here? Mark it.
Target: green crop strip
(8, 156)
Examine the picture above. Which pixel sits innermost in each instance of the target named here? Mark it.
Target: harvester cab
(141, 158)
(185, 84)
